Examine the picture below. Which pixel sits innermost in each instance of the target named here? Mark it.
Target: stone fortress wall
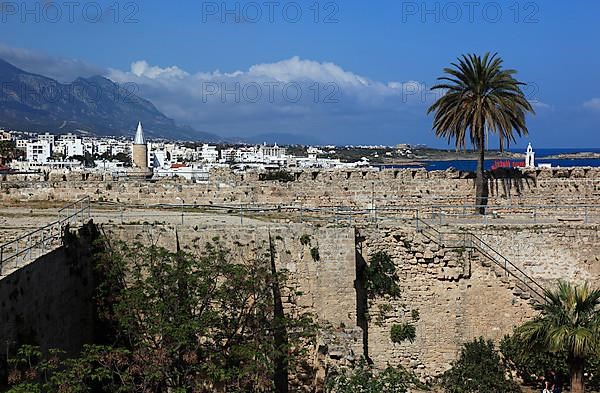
(460, 295)
(457, 295)
(360, 188)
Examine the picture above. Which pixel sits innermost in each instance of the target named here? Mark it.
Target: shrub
(314, 253)
(403, 332)
(532, 365)
(380, 276)
(415, 315)
(305, 240)
(155, 305)
(478, 369)
(362, 379)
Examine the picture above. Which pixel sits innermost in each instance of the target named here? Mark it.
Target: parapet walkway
(26, 248)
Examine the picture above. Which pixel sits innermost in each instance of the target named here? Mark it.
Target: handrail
(74, 204)
(27, 235)
(534, 290)
(507, 261)
(40, 236)
(478, 244)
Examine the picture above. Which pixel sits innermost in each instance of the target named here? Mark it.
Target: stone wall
(455, 297)
(327, 283)
(49, 302)
(459, 295)
(322, 285)
(456, 294)
(548, 253)
(360, 188)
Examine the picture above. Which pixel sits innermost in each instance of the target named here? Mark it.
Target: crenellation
(358, 188)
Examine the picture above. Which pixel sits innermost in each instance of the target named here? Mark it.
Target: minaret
(139, 154)
(530, 157)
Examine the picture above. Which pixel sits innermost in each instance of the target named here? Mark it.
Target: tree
(183, 322)
(8, 151)
(479, 368)
(380, 276)
(481, 98)
(569, 321)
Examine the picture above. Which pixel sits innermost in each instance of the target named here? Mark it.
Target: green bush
(415, 315)
(362, 379)
(305, 240)
(403, 332)
(314, 253)
(380, 276)
(178, 322)
(478, 369)
(531, 365)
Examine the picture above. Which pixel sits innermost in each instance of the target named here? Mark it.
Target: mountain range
(94, 105)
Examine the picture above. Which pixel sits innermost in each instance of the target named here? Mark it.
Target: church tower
(530, 157)
(139, 151)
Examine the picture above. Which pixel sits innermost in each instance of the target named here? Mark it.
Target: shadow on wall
(503, 181)
(50, 302)
(361, 296)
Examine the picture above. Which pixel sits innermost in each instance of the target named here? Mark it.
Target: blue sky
(361, 77)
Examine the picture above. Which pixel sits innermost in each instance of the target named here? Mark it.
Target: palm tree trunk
(577, 385)
(481, 186)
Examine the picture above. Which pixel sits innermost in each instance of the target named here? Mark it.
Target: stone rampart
(360, 188)
(450, 295)
(327, 281)
(458, 295)
(549, 253)
(50, 302)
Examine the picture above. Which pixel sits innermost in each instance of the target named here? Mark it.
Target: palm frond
(480, 97)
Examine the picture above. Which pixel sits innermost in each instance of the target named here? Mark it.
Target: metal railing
(467, 240)
(509, 268)
(437, 214)
(26, 248)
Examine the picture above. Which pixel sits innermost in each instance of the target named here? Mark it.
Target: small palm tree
(569, 321)
(481, 98)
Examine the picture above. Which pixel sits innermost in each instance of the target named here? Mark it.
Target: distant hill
(94, 105)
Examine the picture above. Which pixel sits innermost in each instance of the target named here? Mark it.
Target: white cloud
(142, 68)
(294, 96)
(289, 94)
(594, 104)
(296, 69)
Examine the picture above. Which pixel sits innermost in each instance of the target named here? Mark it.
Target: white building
(193, 173)
(74, 148)
(22, 143)
(272, 152)
(38, 151)
(209, 154)
(5, 136)
(69, 137)
(158, 157)
(50, 138)
(113, 166)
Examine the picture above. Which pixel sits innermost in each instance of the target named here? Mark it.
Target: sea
(470, 165)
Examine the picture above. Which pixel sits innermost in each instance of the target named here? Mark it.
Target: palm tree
(481, 98)
(569, 321)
